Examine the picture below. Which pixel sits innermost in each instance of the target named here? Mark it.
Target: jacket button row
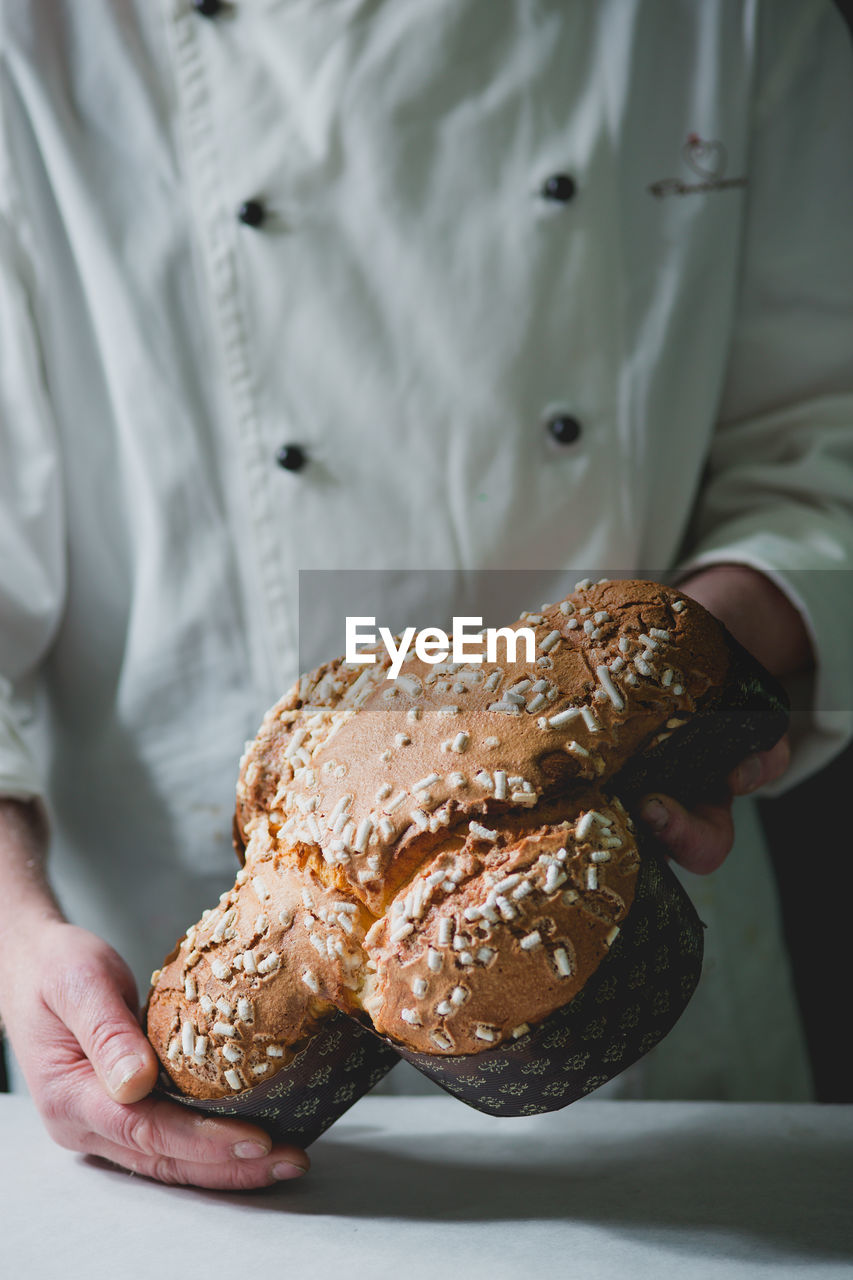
(563, 428)
(559, 187)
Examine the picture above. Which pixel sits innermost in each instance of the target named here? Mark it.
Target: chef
(299, 287)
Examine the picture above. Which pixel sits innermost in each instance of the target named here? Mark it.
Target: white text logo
(434, 645)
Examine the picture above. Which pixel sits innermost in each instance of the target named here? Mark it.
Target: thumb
(699, 839)
(99, 1016)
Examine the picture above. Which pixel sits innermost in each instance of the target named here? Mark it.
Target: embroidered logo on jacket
(708, 160)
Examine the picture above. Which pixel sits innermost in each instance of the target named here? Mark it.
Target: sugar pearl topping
(439, 867)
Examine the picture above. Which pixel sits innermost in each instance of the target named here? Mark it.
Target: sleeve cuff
(20, 778)
(821, 700)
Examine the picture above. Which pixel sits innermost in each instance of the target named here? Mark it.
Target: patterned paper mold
(632, 1001)
(336, 1067)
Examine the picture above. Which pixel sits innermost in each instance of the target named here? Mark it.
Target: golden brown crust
(254, 978)
(360, 790)
(478, 937)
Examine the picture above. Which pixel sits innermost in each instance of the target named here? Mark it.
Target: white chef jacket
(412, 311)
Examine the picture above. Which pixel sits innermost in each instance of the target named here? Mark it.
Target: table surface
(426, 1187)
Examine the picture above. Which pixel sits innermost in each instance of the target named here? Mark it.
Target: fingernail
(124, 1071)
(249, 1150)
(655, 814)
(282, 1170)
(748, 775)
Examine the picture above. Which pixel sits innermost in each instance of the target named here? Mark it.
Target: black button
(560, 187)
(564, 428)
(252, 213)
(207, 8)
(292, 457)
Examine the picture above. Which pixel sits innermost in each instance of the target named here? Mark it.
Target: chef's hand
(68, 1003)
(766, 623)
(701, 838)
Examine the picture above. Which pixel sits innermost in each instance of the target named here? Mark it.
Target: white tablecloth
(425, 1187)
